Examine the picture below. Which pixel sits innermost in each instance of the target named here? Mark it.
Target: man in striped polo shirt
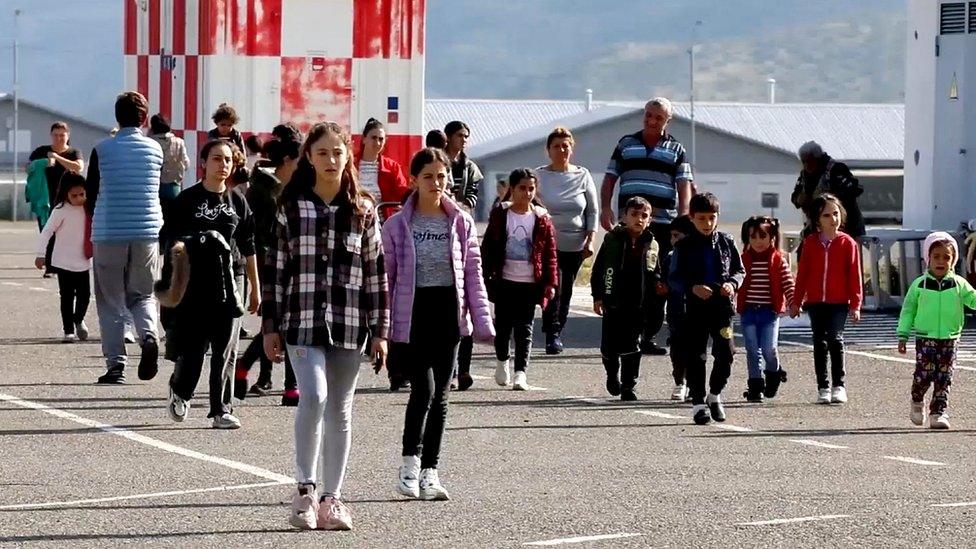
(650, 164)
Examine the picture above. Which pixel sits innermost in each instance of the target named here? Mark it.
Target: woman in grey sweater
(570, 195)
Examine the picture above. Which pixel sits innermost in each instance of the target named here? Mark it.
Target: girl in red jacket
(519, 260)
(828, 286)
(765, 291)
(380, 175)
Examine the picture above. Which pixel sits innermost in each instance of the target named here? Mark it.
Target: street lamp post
(14, 165)
(691, 59)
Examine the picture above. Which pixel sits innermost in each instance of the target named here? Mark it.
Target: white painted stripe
(913, 461)
(33, 289)
(192, 27)
(658, 414)
(582, 539)
(584, 312)
(53, 504)
(730, 427)
(148, 441)
(967, 368)
(475, 376)
(961, 504)
(817, 443)
(177, 119)
(12, 284)
(154, 76)
(792, 520)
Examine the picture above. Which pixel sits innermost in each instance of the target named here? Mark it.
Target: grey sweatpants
(124, 277)
(323, 422)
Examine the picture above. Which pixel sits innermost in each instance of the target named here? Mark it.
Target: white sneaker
(918, 413)
(939, 421)
(430, 486)
(226, 421)
(82, 330)
(177, 408)
(838, 395)
(409, 484)
(502, 376)
(823, 396)
(304, 510)
(520, 383)
(129, 337)
(680, 392)
(69, 338)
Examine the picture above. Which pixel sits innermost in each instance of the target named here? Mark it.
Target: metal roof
(865, 132)
(847, 131)
(73, 119)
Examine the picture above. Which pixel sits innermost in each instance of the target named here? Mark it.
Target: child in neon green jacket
(933, 309)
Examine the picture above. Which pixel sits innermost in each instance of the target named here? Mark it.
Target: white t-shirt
(518, 249)
(368, 178)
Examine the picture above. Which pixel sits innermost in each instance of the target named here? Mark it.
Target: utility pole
(14, 165)
(691, 58)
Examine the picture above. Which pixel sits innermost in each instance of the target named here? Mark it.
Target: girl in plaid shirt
(325, 295)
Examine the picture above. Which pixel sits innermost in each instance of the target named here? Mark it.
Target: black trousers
(556, 313)
(514, 311)
(255, 353)
(465, 349)
(827, 320)
(75, 290)
(654, 310)
(708, 324)
(619, 344)
(428, 361)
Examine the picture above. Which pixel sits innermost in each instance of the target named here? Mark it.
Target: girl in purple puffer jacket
(433, 265)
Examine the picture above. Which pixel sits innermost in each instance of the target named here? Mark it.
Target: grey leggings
(327, 382)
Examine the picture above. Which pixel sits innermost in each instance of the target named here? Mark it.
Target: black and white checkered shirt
(324, 280)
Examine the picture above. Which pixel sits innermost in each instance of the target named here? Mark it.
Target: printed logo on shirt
(428, 236)
(519, 245)
(211, 214)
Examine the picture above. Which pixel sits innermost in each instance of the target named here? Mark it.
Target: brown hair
(304, 177)
(821, 202)
(59, 125)
(560, 132)
(225, 112)
(131, 109)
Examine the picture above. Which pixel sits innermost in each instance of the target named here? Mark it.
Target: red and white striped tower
(274, 61)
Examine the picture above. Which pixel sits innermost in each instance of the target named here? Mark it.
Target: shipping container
(275, 61)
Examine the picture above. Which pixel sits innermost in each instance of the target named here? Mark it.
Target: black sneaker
(290, 397)
(261, 388)
(114, 376)
(554, 345)
(628, 395)
(465, 381)
(651, 348)
(613, 384)
(701, 415)
(149, 361)
(718, 412)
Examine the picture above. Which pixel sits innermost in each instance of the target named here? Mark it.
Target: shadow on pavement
(138, 536)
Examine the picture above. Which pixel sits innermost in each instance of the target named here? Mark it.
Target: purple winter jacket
(401, 268)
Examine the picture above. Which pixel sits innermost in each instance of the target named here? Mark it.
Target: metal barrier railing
(890, 258)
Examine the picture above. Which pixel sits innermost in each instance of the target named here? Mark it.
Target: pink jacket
(401, 267)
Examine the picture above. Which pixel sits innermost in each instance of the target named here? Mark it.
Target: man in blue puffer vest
(123, 190)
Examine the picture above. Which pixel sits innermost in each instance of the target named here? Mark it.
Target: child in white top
(71, 257)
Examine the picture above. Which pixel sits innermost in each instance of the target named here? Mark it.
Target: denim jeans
(760, 331)
(827, 321)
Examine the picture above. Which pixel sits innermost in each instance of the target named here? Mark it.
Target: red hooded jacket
(829, 273)
(391, 181)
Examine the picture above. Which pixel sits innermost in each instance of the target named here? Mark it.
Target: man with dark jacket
(822, 174)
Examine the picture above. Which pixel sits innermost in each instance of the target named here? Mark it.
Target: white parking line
(33, 289)
(148, 441)
(913, 461)
(792, 520)
(531, 387)
(657, 414)
(817, 443)
(730, 427)
(53, 504)
(582, 539)
(12, 284)
(961, 504)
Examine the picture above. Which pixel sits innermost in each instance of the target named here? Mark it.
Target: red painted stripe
(264, 27)
(155, 23)
(131, 28)
(194, 159)
(166, 92)
(142, 79)
(207, 30)
(402, 148)
(388, 28)
(190, 94)
(179, 27)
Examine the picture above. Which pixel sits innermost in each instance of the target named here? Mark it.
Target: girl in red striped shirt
(767, 288)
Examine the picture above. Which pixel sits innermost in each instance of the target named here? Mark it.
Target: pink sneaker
(304, 511)
(334, 515)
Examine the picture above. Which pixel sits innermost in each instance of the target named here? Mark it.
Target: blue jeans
(760, 330)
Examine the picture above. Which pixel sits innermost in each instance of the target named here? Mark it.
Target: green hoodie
(933, 308)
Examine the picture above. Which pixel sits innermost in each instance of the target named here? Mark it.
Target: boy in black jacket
(707, 270)
(680, 227)
(626, 276)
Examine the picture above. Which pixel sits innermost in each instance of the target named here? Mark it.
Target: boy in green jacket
(933, 309)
